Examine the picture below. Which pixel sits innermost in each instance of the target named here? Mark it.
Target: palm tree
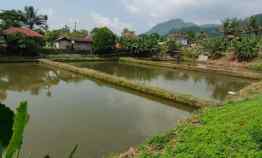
(252, 25)
(231, 27)
(32, 18)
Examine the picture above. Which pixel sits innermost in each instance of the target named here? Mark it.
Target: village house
(82, 44)
(180, 37)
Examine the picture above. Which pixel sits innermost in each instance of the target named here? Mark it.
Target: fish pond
(210, 86)
(67, 109)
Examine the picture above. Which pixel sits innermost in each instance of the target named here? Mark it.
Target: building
(25, 31)
(181, 38)
(128, 34)
(83, 44)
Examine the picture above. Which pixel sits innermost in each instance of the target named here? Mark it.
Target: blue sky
(139, 15)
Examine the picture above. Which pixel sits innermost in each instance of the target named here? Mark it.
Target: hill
(179, 25)
(165, 27)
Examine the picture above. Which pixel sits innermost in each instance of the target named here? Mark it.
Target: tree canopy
(28, 17)
(104, 39)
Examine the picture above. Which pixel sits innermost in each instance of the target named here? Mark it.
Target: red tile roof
(26, 31)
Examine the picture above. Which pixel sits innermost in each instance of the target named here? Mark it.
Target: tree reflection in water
(31, 77)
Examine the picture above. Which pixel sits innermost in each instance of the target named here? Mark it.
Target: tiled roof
(26, 31)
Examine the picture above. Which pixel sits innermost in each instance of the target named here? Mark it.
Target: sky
(137, 15)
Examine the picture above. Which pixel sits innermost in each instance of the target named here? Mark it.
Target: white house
(83, 44)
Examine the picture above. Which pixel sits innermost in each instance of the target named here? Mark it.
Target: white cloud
(113, 23)
(47, 11)
(199, 11)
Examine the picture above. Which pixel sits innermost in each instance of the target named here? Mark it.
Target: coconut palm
(32, 18)
(252, 25)
(232, 27)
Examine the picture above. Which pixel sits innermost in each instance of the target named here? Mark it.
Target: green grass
(231, 131)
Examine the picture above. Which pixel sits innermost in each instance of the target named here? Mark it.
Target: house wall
(183, 41)
(82, 46)
(63, 45)
(77, 46)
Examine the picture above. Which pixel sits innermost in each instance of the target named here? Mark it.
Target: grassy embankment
(231, 131)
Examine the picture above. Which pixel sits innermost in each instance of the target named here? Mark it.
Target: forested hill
(179, 25)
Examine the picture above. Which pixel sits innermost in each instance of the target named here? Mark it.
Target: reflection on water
(68, 109)
(205, 85)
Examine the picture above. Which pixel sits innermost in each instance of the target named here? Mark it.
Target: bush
(246, 48)
(18, 44)
(104, 40)
(191, 53)
(215, 47)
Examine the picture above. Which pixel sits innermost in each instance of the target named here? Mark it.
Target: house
(181, 38)
(83, 44)
(25, 31)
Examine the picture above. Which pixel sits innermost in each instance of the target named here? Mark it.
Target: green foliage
(255, 66)
(233, 130)
(173, 44)
(10, 18)
(32, 19)
(232, 27)
(144, 45)
(215, 47)
(21, 119)
(26, 45)
(191, 53)
(104, 40)
(27, 17)
(6, 123)
(246, 48)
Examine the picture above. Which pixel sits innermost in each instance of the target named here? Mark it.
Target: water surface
(209, 85)
(68, 109)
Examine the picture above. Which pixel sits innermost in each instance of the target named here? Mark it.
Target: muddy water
(68, 109)
(210, 86)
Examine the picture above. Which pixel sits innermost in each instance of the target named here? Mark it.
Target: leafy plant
(21, 43)
(215, 47)
(104, 40)
(21, 119)
(246, 49)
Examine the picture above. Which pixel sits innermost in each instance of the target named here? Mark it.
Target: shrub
(245, 48)
(191, 52)
(18, 43)
(215, 47)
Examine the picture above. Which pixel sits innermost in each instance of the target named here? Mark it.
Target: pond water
(68, 109)
(210, 86)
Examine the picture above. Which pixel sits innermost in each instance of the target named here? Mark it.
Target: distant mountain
(178, 25)
(165, 27)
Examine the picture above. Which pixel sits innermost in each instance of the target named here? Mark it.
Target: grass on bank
(231, 131)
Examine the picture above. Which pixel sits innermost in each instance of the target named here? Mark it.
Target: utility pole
(75, 26)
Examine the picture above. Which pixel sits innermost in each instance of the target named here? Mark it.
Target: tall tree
(232, 27)
(10, 18)
(104, 39)
(32, 18)
(252, 25)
